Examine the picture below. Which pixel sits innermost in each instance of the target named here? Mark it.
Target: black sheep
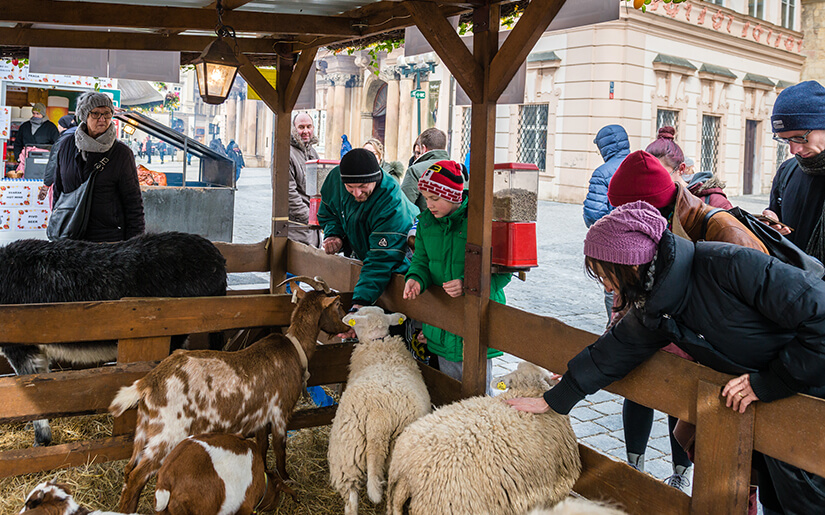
(169, 264)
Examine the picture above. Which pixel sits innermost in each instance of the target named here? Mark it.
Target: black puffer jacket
(117, 205)
(734, 309)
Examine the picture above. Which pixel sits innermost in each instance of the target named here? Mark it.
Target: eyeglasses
(96, 116)
(799, 140)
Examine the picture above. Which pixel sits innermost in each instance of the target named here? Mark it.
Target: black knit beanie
(358, 166)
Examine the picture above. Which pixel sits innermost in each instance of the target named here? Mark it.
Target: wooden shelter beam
(280, 168)
(299, 76)
(520, 42)
(172, 18)
(123, 40)
(480, 211)
(259, 83)
(449, 47)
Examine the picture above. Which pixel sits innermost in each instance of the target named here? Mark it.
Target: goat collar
(301, 355)
(266, 487)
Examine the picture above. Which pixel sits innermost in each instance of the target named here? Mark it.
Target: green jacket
(376, 230)
(438, 258)
(410, 183)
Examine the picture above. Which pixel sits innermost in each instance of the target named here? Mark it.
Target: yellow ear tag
(400, 321)
(501, 386)
(351, 323)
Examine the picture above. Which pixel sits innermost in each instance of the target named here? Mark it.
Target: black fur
(169, 264)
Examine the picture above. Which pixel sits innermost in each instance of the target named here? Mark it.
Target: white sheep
(385, 393)
(576, 506)
(480, 455)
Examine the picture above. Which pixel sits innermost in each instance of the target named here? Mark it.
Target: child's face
(438, 206)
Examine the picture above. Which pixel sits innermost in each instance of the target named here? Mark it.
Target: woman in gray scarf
(117, 205)
(38, 131)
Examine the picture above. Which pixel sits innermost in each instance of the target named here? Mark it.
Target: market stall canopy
(138, 93)
(189, 25)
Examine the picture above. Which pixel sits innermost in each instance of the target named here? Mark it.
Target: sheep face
(371, 323)
(526, 376)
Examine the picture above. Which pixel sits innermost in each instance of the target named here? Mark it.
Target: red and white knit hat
(444, 179)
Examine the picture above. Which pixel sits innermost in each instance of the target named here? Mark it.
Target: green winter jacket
(438, 258)
(410, 183)
(376, 230)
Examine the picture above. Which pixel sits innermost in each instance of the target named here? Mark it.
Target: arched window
(379, 113)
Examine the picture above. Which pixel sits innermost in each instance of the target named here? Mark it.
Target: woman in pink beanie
(772, 337)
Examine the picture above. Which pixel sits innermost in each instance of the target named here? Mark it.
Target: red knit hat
(641, 177)
(444, 179)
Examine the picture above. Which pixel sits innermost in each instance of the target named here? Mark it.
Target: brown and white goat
(193, 392)
(53, 498)
(218, 474)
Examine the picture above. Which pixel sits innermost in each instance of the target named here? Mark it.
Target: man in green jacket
(439, 259)
(432, 143)
(363, 208)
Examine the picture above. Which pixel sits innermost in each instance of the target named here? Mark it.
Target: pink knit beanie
(627, 236)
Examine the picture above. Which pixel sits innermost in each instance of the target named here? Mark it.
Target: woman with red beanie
(772, 340)
(642, 176)
(705, 185)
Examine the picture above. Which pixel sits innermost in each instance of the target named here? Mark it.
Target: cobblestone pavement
(557, 288)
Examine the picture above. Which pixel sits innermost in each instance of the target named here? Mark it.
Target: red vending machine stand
(317, 171)
(515, 209)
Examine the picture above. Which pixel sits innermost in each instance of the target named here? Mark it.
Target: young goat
(385, 393)
(193, 392)
(167, 264)
(53, 498)
(217, 474)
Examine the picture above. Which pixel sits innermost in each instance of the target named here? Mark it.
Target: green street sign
(418, 93)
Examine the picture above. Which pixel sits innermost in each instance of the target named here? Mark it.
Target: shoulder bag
(70, 214)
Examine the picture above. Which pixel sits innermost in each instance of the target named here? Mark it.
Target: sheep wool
(385, 393)
(480, 455)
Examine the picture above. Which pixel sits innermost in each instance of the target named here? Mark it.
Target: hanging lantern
(216, 68)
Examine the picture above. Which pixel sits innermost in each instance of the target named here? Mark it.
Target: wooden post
(137, 349)
(280, 173)
(480, 212)
(724, 444)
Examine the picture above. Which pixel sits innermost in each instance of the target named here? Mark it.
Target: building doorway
(751, 128)
(379, 113)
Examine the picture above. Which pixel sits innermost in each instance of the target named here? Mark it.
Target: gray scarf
(815, 165)
(99, 145)
(36, 122)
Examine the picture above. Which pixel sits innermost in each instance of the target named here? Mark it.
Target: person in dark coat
(38, 130)
(773, 339)
(614, 147)
(66, 125)
(235, 154)
(117, 205)
(798, 189)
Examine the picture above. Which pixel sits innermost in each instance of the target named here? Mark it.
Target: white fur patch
(235, 470)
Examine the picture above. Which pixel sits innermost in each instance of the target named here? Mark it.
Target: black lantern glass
(216, 68)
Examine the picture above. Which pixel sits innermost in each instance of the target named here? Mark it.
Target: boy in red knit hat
(439, 259)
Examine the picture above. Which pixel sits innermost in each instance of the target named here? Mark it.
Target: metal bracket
(281, 228)
(472, 270)
(481, 19)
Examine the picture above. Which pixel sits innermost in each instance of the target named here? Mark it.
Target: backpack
(779, 246)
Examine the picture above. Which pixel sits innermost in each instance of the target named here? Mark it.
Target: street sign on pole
(418, 93)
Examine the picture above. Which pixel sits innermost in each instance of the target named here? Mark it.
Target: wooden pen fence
(789, 429)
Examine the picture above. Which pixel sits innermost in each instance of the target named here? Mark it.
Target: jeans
(454, 369)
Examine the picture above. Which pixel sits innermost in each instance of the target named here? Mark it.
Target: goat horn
(323, 284)
(304, 279)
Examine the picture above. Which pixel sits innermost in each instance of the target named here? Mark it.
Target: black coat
(797, 199)
(117, 205)
(46, 134)
(733, 309)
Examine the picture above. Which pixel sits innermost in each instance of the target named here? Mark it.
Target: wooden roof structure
(288, 33)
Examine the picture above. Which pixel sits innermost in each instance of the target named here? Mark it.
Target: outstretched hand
(529, 404)
(411, 289)
(333, 244)
(782, 228)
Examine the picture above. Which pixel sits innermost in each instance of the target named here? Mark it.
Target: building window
(781, 153)
(756, 8)
(710, 143)
(788, 11)
(532, 135)
(718, 2)
(466, 124)
(666, 117)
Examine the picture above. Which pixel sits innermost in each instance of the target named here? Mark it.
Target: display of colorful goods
(147, 177)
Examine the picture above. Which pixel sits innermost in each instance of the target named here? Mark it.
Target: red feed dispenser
(515, 210)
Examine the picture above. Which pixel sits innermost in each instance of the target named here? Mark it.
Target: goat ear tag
(501, 386)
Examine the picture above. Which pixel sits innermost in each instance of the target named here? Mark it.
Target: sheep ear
(396, 318)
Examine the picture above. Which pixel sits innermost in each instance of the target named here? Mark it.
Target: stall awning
(138, 93)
